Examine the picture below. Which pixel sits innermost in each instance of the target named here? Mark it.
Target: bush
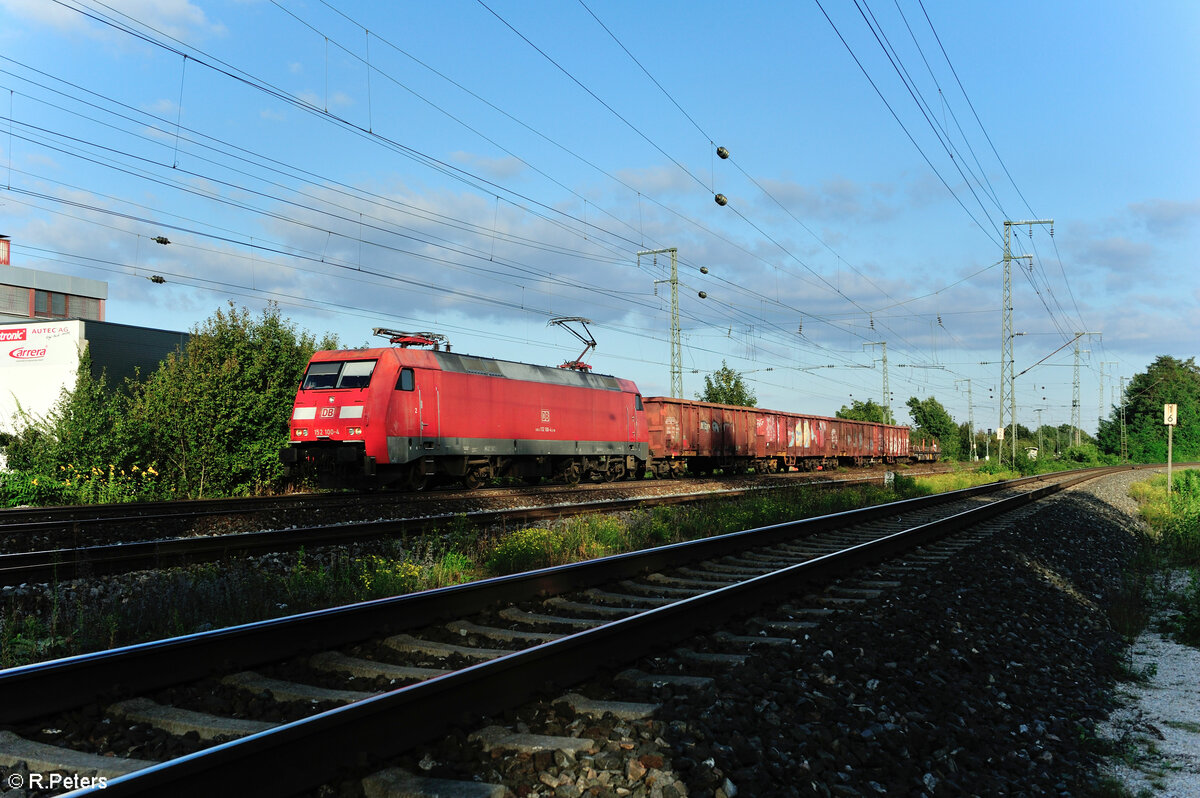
(112, 485)
(525, 550)
(25, 488)
(381, 577)
(212, 419)
(216, 416)
(1184, 625)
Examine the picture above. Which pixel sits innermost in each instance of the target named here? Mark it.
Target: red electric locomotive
(400, 414)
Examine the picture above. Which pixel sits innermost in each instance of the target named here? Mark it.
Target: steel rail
(64, 515)
(62, 564)
(74, 518)
(304, 754)
(115, 558)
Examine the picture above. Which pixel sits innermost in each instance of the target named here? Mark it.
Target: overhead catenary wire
(742, 309)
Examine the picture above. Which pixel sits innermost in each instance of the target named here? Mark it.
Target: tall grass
(960, 480)
(1174, 546)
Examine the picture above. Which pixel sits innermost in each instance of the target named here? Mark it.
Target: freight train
(414, 411)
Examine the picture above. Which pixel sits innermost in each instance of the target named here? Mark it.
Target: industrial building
(47, 321)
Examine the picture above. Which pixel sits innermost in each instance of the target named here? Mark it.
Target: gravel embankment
(984, 676)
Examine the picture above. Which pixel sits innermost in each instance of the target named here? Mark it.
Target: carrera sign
(28, 354)
(12, 335)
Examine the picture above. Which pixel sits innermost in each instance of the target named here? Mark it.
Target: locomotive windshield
(338, 374)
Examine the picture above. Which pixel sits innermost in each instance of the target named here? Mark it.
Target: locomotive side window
(637, 401)
(406, 382)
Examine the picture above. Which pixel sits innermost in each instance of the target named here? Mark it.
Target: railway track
(77, 526)
(72, 562)
(514, 636)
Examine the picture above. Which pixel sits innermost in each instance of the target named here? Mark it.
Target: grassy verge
(73, 618)
(1171, 551)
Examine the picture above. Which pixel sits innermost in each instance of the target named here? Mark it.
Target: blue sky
(476, 168)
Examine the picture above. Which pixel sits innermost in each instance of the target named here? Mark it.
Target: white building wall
(37, 361)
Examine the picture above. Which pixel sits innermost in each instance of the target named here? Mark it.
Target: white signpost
(1170, 418)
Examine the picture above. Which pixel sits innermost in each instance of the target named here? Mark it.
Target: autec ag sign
(7, 336)
(28, 354)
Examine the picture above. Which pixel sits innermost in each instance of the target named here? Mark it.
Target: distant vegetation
(726, 387)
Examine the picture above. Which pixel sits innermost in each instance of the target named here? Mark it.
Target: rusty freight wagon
(702, 436)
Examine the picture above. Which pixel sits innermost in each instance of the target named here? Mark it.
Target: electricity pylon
(676, 344)
(1075, 420)
(1007, 370)
(887, 404)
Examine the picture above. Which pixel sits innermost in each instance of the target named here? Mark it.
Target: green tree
(870, 410)
(1167, 380)
(965, 433)
(726, 387)
(931, 420)
(216, 415)
(86, 428)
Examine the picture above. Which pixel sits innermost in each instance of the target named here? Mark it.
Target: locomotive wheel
(474, 478)
(570, 474)
(415, 479)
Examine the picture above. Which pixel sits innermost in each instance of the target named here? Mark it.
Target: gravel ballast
(984, 676)
(988, 674)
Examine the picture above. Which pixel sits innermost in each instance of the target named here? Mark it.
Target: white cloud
(177, 18)
(1168, 218)
(837, 198)
(493, 168)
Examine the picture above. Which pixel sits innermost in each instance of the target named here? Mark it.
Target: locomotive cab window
(321, 375)
(356, 374)
(407, 381)
(352, 374)
(637, 401)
